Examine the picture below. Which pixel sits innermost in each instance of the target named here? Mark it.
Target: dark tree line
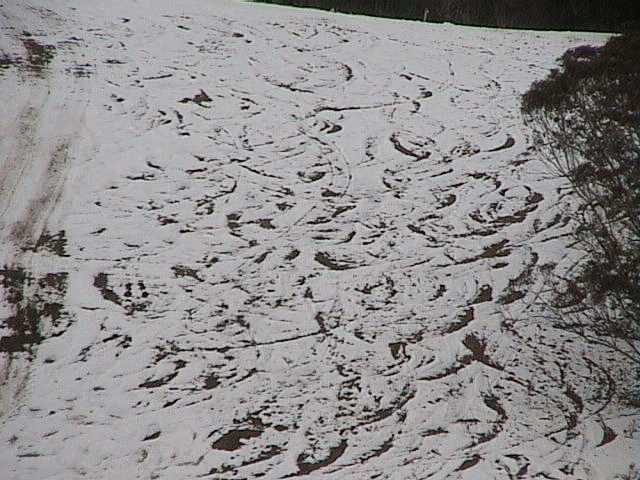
(603, 15)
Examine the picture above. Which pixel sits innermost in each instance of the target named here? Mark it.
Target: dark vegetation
(599, 15)
(586, 122)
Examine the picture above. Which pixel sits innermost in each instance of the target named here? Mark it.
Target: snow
(286, 243)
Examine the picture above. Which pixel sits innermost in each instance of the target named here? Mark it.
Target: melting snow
(246, 241)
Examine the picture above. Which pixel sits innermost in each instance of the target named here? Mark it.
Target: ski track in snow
(244, 241)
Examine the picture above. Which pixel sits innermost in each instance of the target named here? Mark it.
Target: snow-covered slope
(244, 241)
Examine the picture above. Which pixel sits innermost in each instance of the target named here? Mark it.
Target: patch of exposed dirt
(515, 289)
(464, 319)
(101, 282)
(332, 264)
(53, 243)
(307, 467)
(81, 70)
(34, 300)
(183, 271)
(485, 294)
(159, 382)
(9, 61)
(418, 155)
(234, 439)
(131, 302)
(478, 348)
(496, 250)
(509, 142)
(39, 55)
(469, 463)
(201, 98)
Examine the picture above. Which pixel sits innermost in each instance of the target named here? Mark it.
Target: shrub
(586, 122)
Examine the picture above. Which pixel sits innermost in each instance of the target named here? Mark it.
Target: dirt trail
(39, 127)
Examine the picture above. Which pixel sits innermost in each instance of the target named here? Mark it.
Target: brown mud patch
(478, 348)
(200, 99)
(415, 153)
(183, 271)
(485, 294)
(469, 463)
(234, 439)
(324, 259)
(516, 288)
(53, 243)
(306, 468)
(159, 382)
(509, 142)
(464, 319)
(134, 297)
(496, 250)
(39, 55)
(33, 301)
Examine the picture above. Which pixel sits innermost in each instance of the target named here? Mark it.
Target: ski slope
(248, 241)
